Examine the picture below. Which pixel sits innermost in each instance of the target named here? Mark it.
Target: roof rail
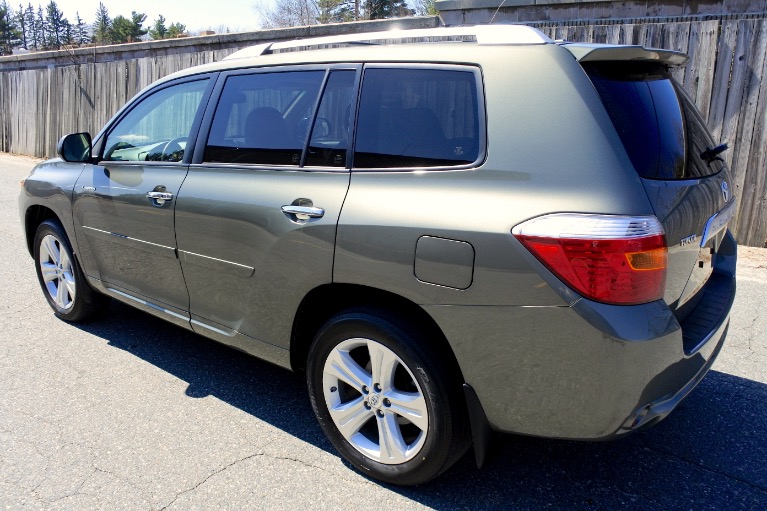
(483, 34)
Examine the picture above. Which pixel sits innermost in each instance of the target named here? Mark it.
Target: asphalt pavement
(129, 412)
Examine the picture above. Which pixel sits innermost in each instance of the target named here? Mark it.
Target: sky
(238, 15)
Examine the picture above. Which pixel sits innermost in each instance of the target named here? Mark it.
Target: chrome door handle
(159, 198)
(303, 212)
(159, 195)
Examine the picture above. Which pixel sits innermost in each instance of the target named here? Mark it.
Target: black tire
(66, 289)
(419, 370)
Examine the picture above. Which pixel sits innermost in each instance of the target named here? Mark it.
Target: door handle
(303, 212)
(159, 197)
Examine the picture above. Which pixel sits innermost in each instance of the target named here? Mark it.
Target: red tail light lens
(607, 258)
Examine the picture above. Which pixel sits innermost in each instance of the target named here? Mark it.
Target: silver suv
(451, 232)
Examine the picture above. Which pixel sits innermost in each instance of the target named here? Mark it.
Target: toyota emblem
(725, 191)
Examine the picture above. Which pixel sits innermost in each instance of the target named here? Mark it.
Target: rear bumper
(656, 411)
(589, 371)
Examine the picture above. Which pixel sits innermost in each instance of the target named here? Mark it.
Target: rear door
(256, 217)
(672, 150)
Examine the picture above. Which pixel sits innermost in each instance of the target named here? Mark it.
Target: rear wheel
(60, 276)
(389, 405)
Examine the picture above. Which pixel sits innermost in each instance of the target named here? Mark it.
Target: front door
(124, 205)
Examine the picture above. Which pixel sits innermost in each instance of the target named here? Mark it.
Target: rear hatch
(672, 150)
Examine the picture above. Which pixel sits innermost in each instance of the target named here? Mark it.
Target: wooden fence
(725, 75)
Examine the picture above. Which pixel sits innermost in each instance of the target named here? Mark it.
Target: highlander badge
(689, 239)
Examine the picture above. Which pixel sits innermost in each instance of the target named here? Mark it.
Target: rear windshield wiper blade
(712, 154)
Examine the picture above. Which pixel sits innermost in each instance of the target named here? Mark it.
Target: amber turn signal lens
(650, 260)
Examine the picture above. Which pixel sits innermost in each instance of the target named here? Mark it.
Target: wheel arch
(33, 217)
(324, 301)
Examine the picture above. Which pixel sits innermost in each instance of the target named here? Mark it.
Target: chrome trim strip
(230, 333)
(246, 268)
(718, 221)
(149, 304)
(118, 235)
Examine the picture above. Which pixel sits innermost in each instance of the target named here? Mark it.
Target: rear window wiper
(712, 154)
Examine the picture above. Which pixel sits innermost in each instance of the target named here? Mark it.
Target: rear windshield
(660, 127)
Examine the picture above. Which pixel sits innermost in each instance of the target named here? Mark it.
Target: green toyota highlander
(451, 232)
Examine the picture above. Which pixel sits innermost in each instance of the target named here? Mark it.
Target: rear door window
(330, 132)
(418, 118)
(660, 127)
(264, 118)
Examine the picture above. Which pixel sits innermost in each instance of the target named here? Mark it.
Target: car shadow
(709, 454)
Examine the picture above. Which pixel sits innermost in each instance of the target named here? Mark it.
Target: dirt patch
(752, 263)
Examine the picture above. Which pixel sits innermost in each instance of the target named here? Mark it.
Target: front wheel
(60, 276)
(388, 403)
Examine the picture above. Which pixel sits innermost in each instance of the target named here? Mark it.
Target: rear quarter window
(418, 118)
(660, 127)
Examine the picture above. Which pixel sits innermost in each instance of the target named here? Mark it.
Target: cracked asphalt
(129, 412)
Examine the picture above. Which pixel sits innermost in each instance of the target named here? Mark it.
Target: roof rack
(482, 34)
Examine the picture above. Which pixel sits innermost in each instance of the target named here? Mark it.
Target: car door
(124, 205)
(256, 217)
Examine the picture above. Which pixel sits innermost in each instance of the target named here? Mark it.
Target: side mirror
(75, 147)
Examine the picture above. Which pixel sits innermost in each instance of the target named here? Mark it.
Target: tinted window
(158, 127)
(417, 118)
(330, 133)
(660, 128)
(263, 118)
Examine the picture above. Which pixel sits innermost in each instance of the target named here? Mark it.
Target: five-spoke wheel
(57, 272)
(387, 400)
(60, 276)
(375, 401)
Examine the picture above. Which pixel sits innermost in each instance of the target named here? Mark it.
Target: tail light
(607, 258)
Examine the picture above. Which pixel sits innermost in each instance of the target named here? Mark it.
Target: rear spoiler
(589, 52)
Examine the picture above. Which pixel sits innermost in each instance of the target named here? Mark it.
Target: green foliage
(126, 30)
(102, 27)
(57, 27)
(80, 31)
(9, 34)
(384, 9)
(175, 30)
(34, 38)
(159, 30)
(21, 25)
(162, 31)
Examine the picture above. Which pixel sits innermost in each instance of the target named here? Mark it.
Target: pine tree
(68, 33)
(30, 20)
(137, 28)
(159, 30)
(120, 30)
(23, 28)
(384, 9)
(126, 30)
(56, 24)
(80, 31)
(175, 30)
(102, 27)
(42, 29)
(9, 34)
